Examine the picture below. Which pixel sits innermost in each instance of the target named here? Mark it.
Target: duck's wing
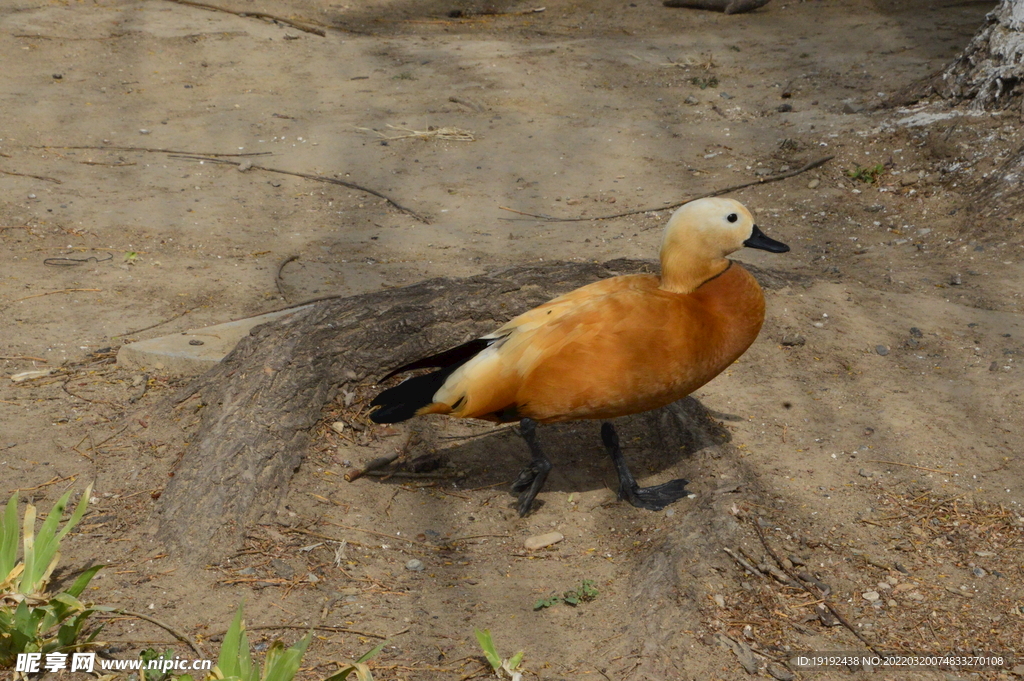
(487, 369)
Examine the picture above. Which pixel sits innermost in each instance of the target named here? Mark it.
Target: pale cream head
(709, 228)
(698, 237)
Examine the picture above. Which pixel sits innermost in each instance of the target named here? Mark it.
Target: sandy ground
(891, 427)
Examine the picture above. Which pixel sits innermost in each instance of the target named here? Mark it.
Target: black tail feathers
(405, 399)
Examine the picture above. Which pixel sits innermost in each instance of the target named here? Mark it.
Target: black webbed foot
(532, 478)
(652, 498)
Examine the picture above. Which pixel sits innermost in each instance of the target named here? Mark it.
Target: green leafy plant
(510, 666)
(31, 620)
(584, 593)
(235, 662)
(41, 551)
(868, 174)
(150, 655)
(704, 82)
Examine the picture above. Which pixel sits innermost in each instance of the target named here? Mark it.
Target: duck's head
(700, 234)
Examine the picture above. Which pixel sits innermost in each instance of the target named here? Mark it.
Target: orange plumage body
(618, 346)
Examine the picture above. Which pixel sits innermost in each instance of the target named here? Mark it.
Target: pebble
(979, 572)
(865, 473)
(719, 600)
(813, 184)
(955, 280)
(870, 596)
(915, 596)
(916, 332)
(691, 100)
(785, 108)
(793, 340)
(144, 131)
(416, 565)
(892, 603)
(540, 541)
(882, 350)
(670, 512)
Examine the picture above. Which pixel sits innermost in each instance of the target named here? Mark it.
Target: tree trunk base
(259, 407)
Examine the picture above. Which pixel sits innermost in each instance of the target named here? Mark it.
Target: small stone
(985, 554)
(338, 426)
(719, 600)
(784, 108)
(691, 100)
(416, 565)
(725, 95)
(865, 473)
(916, 332)
(144, 131)
(915, 596)
(247, 571)
(852, 108)
(283, 569)
(779, 672)
(669, 512)
(994, 366)
(979, 572)
(882, 350)
(541, 541)
(955, 280)
(813, 184)
(312, 579)
(793, 340)
(892, 603)
(870, 596)
(908, 180)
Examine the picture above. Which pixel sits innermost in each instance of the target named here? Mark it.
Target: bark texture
(990, 72)
(261, 403)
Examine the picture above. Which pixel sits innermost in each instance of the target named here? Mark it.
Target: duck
(622, 345)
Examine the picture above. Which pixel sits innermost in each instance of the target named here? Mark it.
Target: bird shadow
(656, 445)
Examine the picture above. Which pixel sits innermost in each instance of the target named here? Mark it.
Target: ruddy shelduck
(615, 347)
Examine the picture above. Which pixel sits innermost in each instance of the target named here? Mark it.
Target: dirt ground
(874, 427)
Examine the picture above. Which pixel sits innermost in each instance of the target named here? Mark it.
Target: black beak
(765, 243)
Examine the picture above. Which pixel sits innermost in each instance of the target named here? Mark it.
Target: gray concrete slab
(194, 352)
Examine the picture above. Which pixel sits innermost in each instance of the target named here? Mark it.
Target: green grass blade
(29, 549)
(235, 658)
(283, 665)
(9, 537)
(45, 544)
(483, 637)
(83, 581)
(76, 517)
(373, 652)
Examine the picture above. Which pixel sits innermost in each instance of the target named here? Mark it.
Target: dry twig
(824, 601)
(196, 648)
(717, 192)
(259, 15)
(309, 176)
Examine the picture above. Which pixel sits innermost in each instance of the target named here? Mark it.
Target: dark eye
(732, 217)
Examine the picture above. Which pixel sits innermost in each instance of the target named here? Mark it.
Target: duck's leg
(531, 478)
(652, 498)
